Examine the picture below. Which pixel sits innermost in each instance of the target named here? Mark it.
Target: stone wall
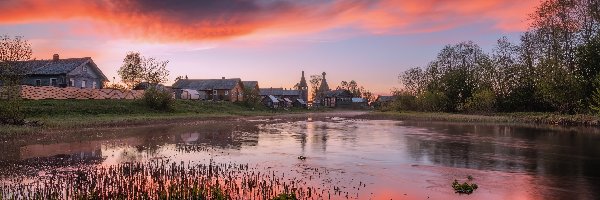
(49, 92)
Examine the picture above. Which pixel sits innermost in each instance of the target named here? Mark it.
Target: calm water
(367, 159)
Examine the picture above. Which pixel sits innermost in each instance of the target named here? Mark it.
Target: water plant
(161, 179)
(464, 188)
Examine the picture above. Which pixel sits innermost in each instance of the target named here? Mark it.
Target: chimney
(302, 73)
(223, 77)
(55, 57)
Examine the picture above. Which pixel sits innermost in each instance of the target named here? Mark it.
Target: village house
(383, 101)
(337, 99)
(283, 97)
(212, 89)
(70, 72)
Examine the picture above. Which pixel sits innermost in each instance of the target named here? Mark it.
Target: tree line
(554, 68)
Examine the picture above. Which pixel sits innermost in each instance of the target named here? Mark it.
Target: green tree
(137, 69)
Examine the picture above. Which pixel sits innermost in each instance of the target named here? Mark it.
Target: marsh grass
(161, 179)
(521, 117)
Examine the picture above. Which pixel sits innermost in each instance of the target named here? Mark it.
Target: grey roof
(207, 84)
(273, 99)
(278, 92)
(250, 84)
(56, 67)
(359, 100)
(301, 101)
(338, 93)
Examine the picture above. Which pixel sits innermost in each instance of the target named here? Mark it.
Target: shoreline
(71, 123)
(512, 118)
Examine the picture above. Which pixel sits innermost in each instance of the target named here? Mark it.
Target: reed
(163, 179)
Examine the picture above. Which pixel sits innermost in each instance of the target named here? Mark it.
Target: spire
(324, 86)
(302, 81)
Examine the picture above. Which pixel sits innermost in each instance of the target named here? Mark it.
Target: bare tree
(315, 83)
(155, 71)
(12, 72)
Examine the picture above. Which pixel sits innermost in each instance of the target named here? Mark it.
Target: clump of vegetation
(464, 188)
(301, 157)
(551, 69)
(158, 99)
(12, 72)
(160, 179)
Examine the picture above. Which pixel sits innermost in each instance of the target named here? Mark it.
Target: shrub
(158, 99)
(482, 101)
(432, 101)
(404, 101)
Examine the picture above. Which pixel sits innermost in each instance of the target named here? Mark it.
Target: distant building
(337, 99)
(383, 101)
(70, 72)
(212, 89)
(360, 103)
(284, 96)
(287, 97)
(303, 88)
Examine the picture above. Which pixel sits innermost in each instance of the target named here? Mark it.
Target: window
(84, 68)
(214, 93)
(226, 92)
(38, 82)
(72, 82)
(94, 84)
(53, 82)
(83, 83)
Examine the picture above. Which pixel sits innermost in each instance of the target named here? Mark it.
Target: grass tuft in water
(464, 188)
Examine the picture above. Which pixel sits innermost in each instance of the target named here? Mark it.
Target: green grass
(520, 117)
(61, 114)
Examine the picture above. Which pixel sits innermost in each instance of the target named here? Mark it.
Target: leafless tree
(12, 72)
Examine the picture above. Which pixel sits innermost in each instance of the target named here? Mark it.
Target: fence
(49, 92)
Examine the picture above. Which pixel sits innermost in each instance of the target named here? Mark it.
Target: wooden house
(70, 72)
(337, 99)
(271, 101)
(212, 89)
(285, 96)
(382, 101)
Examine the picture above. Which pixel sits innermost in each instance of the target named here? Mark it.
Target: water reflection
(392, 158)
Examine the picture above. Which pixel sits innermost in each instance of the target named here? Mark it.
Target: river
(359, 158)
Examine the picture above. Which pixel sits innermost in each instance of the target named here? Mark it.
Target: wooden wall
(49, 92)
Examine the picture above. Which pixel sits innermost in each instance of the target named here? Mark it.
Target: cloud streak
(197, 20)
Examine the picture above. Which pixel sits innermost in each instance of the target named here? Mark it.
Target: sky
(270, 41)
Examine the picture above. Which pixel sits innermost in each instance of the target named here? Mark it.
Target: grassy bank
(93, 113)
(534, 118)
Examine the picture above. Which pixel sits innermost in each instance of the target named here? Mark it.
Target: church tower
(303, 88)
(324, 86)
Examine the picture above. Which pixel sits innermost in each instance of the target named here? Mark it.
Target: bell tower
(303, 88)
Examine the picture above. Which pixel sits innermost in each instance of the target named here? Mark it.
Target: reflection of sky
(370, 42)
(393, 158)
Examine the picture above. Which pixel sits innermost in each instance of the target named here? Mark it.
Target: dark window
(38, 82)
(53, 82)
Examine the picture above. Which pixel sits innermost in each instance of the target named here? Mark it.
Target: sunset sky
(370, 41)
